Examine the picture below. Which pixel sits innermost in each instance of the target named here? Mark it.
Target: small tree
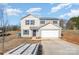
(3, 24)
(2, 27)
(73, 23)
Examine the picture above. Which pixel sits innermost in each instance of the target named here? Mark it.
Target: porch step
(33, 38)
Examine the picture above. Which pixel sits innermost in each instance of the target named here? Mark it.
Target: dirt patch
(71, 36)
(11, 44)
(13, 41)
(32, 41)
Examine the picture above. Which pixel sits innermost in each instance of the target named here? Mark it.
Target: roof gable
(50, 26)
(28, 16)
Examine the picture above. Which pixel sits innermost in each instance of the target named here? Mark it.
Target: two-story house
(44, 27)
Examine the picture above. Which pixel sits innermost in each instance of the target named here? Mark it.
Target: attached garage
(50, 31)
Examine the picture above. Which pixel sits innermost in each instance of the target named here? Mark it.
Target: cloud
(58, 7)
(69, 7)
(12, 11)
(72, 13)
(31, 10)
(62, 16)
(36, 13)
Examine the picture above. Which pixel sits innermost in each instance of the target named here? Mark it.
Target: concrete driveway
(57, 46)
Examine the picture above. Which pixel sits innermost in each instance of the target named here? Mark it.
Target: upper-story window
(27, 22)
(54, 22)
(30, 22)
(42, 21)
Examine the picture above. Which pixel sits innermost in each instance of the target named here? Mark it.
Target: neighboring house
(0, 29)
(44, 27)
(62, 23)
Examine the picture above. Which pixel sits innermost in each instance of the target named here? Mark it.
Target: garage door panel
(50, 33)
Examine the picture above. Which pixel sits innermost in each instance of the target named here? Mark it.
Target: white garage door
(50, 33)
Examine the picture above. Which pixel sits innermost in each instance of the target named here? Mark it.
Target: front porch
(35, 32)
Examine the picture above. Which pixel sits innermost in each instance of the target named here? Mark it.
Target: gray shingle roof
(48, 18)
(42, 18)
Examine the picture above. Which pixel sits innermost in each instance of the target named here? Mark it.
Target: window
(54, 22)
(30, 22)
(25, 32)
(42, 21)
(27, 22)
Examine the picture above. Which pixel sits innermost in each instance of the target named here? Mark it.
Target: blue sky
(15, 11)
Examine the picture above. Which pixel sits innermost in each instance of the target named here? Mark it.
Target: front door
(34, 32)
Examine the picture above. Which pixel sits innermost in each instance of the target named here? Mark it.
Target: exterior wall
(23, 25)
(50, 27)
(27, 27)
(38, 33)
(51, 21)
(30, 33)
(60, 33)
(58, 22)
(37, 23)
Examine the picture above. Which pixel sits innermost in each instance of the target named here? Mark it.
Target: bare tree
(3, 24)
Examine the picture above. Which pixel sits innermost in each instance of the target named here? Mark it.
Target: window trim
(26, 33)
(42, 22)
(30, 22)
(55, 22)
(27, 22)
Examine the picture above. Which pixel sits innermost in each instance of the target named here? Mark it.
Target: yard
(71, 36)
(13, 40)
